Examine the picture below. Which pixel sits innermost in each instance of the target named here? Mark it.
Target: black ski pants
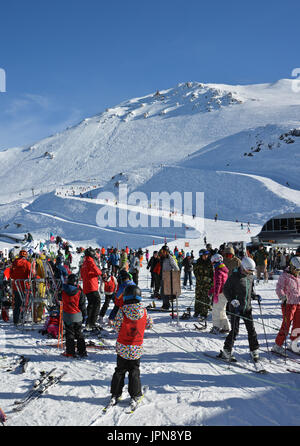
(134, 382)
(108, 298)
(73, 332)
(17, 307)
(93, 307)
(235, 324)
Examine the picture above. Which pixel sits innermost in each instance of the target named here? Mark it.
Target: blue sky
(66, 60)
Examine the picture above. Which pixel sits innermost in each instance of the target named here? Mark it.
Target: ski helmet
(90, 252)
(132, 292)
(203, 252)
(124, 275)
(295, 262)
(216, 258)
(248, 264)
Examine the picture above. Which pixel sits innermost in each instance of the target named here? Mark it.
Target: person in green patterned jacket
(204, 274)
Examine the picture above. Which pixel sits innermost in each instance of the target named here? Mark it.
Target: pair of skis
(258, 366)
(134, 404)
(46, 380)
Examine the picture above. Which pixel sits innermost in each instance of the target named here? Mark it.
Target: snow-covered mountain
(240, 145)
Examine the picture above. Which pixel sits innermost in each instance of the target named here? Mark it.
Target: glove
(283, 299)
(235, 304)
(258, 298)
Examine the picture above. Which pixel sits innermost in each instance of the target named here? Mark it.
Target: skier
(108, 287)
(239, 291)
(123, 264)
(20, 270)
(204, 274)
(288, 291)
(74, 311)
(188, 268)
(260, 258)
(155, 279)
(219, 318)
(130, 323)
(90, 273)
(230, 260)
(134, 268)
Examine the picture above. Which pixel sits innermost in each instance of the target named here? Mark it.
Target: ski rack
(53, 285)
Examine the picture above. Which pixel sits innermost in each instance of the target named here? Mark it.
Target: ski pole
(263, 324)
(286, 332)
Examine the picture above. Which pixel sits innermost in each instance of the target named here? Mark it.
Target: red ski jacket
(89, 273)
(132, 331)
(20, 270)
(71, 301)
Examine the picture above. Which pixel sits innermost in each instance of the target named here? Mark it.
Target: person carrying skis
(90, 273)
(74, 311)
(204, 274)
(20, 270)
(219, 318)
(130, 323)
(239, 291)
(288, 291)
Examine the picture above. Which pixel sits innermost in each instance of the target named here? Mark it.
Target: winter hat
(188, 254)
(72, 279)
(229, 250)
(132, 292)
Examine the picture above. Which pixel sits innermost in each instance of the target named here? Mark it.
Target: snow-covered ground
(186, 388)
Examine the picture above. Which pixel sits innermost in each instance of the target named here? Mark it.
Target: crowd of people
(224, 284)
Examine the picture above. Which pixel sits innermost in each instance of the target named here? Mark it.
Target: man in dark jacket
(188, 268)
(74, 311)
(155, 279)
(239, 292)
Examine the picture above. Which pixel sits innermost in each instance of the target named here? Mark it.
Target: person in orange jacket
(20, 270)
